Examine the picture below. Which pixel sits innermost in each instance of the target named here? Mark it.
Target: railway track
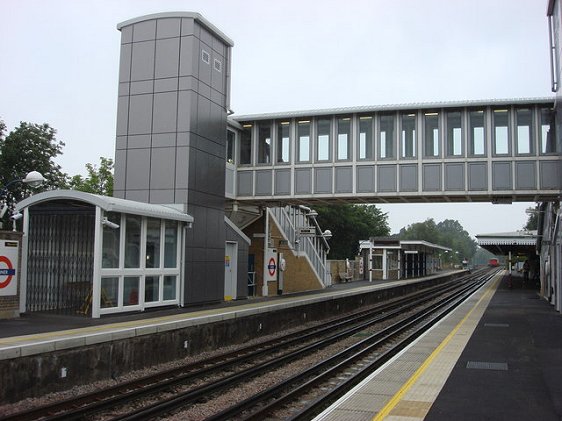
(223, 372)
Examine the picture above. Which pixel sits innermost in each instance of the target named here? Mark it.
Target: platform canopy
(501, 244)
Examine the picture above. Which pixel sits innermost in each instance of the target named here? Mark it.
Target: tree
(349, 224)
(533, 219)
(448, 233)
(29, 147)
(98, 181)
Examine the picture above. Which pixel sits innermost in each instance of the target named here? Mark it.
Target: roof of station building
(108, 204)
(395, 107)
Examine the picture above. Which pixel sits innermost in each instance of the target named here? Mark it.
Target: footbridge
(495, 150)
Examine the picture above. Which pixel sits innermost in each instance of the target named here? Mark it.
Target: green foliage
(29, 147)
(533, 219)
(98, 181)
(448, 233)
(349, 224)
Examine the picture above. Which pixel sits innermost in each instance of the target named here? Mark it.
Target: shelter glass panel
(344, 139)
(477, 133)
(264, 143)
(283, 142)
(151, 289)
(111, 241)
(548, 140)
(131, 290)
(454, 133)
(109, 292)
(366, 138)
(246, 145)
(524, 132)
(387, 136)
(171, 244)
(170, 287)
(303, 135)
(230, 146)
(132, 241)
(501, 132)
(153, 243)
(431, 131)
(323, 141)
(408, 135)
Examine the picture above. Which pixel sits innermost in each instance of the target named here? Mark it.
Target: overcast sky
(59, 64)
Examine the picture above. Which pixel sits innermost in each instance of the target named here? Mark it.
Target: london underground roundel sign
(7, 271)
(271, 266)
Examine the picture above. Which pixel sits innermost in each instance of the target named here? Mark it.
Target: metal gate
(60, 259)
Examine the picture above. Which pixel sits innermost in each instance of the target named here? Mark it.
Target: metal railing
(289, 219)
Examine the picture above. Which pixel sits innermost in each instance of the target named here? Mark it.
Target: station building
(240, 190)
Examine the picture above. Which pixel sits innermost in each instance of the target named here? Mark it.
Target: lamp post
(32, 179)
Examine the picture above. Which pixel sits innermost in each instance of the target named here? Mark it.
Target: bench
(345, 277)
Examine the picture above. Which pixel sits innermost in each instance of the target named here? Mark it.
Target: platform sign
(271, 266)
(8, 267)
(307, 231)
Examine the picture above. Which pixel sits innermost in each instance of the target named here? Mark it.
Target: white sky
(59, 64)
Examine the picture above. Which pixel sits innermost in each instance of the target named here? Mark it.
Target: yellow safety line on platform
(385, 411)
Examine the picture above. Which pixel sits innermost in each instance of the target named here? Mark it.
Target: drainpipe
(265, 291)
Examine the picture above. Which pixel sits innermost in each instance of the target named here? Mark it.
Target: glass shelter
(94, 255)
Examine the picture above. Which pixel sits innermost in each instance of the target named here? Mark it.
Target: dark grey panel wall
(303, 181)
(431, 177)
(283, 182)
(408, 177)
(525, 175)
(478, 176)
(550, 175)
(344, 179)
(366, 179)
(501, 176)
(323, 180)
(263, 182)
(245, 183)
(386, 178)
(454, 176)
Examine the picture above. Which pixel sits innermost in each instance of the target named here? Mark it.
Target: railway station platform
(496, 357)
(42, 353)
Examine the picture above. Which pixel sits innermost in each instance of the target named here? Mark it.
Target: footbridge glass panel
(495, 151)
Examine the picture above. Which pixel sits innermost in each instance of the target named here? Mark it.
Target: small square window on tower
(218, 65)
(205, 56)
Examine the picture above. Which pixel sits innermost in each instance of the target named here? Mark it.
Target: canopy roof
(108, 204)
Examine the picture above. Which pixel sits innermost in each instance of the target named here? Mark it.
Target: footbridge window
(454, 133)
(323, 139)
(303, 136)
(501, 132)
(283, 142)
(477, 133)
(524, 132)
(344, 139)
(246, 145)
(548, 141)
(365, 138)
(264, 143)
(408, 135)
(431, 138)
(387, 136)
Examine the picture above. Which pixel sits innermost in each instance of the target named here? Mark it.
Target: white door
(230, 270)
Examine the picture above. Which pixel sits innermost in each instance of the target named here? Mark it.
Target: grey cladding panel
(454, 177)
(141, 141)
(162, 196)
(140, 114)
(366, 179)
(323, 180)
(125, 63)
(162, 171)
(283, 182)
(167, 57)
(263, 182)
(165, 111)
(245, 183)
(137, 195)
(344, 179)
(169, 27)
(386, 177)
(431, 177)
(408, 177)
(477, 176)
(182, 167)
(550, 175)
(163, 140)
(138, 169)
(127, 34)
(525, 175)
(145, 30)
(143, 60)
(187, 26)
(187, 65)
(166, 85)
(303, 181)
(119, 172)
(187, 110)
(501, 176)
(122, 115)
(142, 87)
